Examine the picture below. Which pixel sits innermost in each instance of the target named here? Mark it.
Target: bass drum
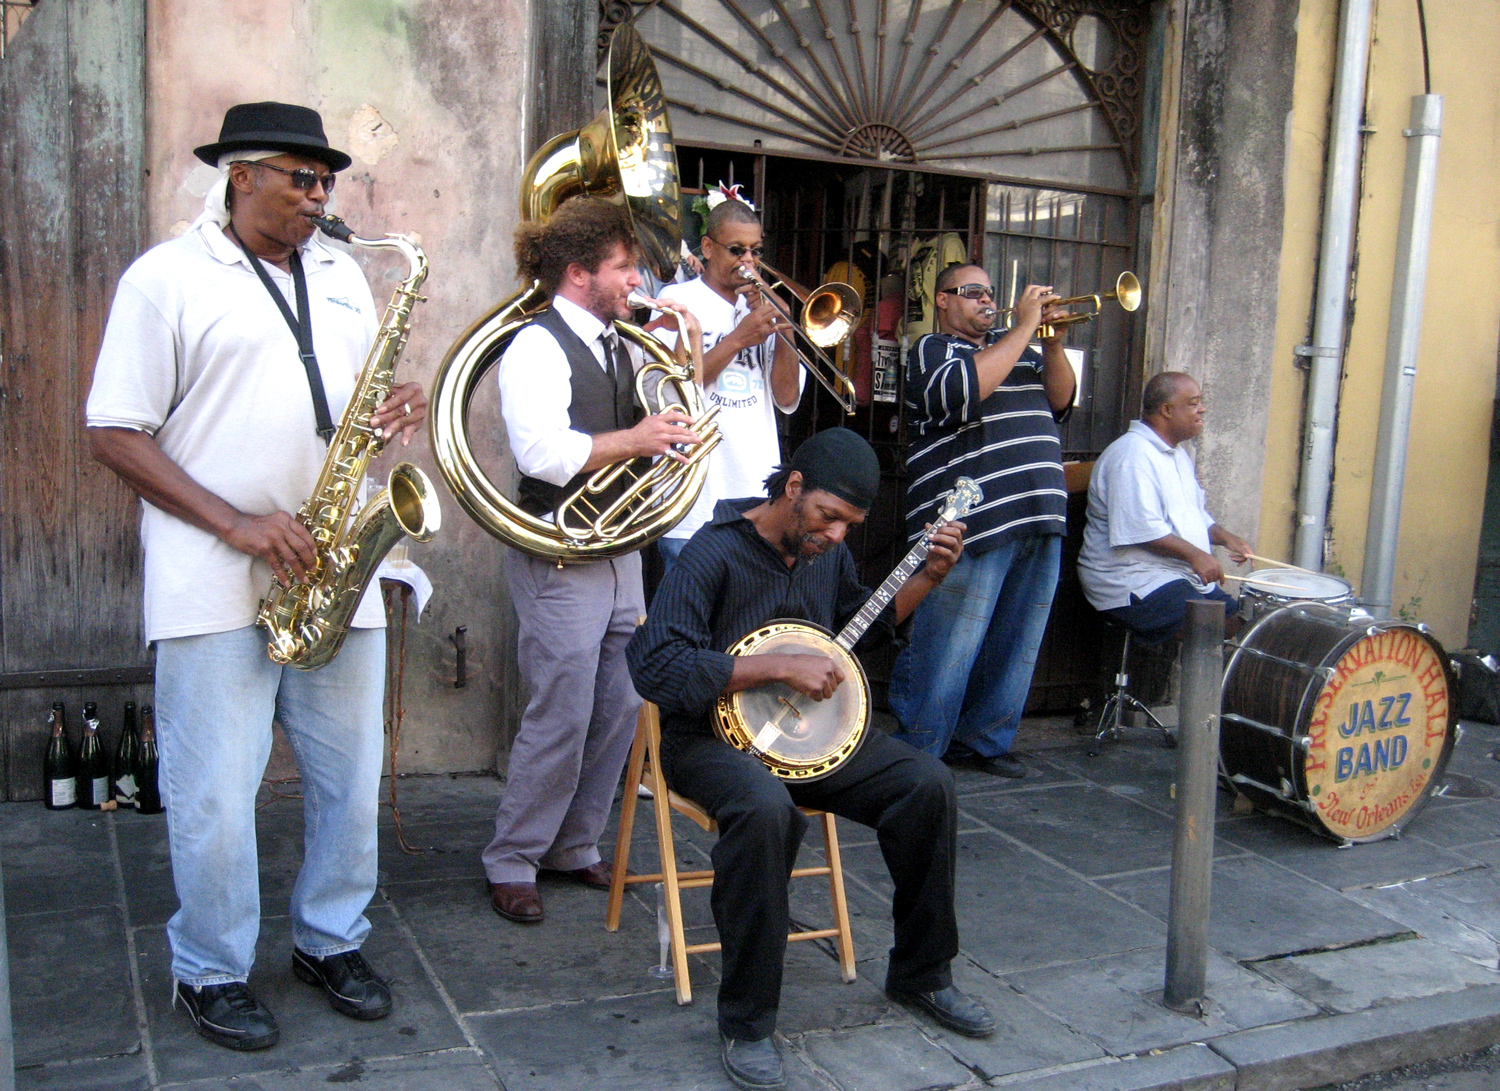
(1342, 723)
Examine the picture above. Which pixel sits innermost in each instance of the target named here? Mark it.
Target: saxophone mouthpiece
(333, 226)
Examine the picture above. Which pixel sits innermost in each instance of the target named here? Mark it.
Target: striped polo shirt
(1008, 443)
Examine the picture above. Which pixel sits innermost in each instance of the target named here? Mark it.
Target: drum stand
(1111, 719)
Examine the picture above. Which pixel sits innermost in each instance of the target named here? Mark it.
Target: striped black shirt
(727, 582)
(1008, 443)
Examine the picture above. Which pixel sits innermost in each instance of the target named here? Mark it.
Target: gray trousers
(576, 732)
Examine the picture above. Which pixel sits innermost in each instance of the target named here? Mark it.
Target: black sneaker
(228, 1015)
(353, 988)
(755, 1066)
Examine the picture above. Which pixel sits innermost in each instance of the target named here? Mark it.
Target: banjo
(799, 738)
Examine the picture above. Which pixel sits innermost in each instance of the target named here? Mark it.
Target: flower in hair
(723, 193)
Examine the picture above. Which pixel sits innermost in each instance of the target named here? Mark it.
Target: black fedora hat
(273, 126)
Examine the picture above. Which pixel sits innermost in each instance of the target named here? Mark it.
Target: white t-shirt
(197, 354)
(750, 449)
(1142, 489)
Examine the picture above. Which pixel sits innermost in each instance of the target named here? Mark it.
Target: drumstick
(1279, 564)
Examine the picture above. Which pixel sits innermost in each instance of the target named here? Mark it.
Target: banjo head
(799, 739)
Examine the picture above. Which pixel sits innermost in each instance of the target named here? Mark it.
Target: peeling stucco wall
(429, 97)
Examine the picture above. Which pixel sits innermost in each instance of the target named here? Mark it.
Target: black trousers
(905, 795)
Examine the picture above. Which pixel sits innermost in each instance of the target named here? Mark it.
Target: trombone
(1127, 293)
(829, 312)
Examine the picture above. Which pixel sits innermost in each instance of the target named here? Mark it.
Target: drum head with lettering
(1289, 584)
(1379, 732)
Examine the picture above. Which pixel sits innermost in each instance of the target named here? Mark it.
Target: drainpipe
(1325, 354)
(1402, 342)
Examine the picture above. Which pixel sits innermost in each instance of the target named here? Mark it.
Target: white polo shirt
(197, 355)
(1142, 489)
(749, 449)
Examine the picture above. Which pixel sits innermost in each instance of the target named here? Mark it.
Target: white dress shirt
(1142, 489)
(536, 390)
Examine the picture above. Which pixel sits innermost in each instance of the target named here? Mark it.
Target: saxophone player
(228, 354)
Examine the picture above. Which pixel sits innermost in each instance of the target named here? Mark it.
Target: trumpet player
(749, 372)
(984, 404)
(208, 398)
(567, 395)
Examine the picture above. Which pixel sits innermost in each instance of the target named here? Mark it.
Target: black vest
(598, 405)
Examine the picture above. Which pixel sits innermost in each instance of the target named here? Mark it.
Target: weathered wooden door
(72, 217)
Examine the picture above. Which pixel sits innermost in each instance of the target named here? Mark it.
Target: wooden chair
(645, 768)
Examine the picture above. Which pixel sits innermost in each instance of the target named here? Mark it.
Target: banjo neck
(964, 496)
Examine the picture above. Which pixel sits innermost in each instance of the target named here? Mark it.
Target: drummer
(1148, 545)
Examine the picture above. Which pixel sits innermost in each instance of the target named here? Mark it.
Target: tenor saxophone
(306, 621)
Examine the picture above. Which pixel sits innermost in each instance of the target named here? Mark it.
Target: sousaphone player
(757, 560)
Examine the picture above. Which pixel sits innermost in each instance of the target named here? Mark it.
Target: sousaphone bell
(625, 155)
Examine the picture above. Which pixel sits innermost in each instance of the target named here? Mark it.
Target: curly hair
(583, 229)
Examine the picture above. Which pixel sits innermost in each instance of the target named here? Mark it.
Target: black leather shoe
(353, 988)
(228, 1015)
(999, 765)
(951, 1008)
(755, 1066)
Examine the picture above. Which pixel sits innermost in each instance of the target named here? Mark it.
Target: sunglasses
(302, 178)
(739, 251)
(971, 291)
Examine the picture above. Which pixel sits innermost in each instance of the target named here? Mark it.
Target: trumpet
(1127, 293)
(829, 312)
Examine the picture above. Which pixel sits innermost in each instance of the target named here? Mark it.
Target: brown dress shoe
(517, 902)
(596, 875)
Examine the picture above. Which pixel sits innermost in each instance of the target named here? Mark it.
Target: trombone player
(567, 394)
(984, 404)
(749, 372)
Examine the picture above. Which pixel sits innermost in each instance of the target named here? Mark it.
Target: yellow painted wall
(1448, 455)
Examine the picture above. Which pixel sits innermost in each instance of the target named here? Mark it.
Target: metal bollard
(1193, 837)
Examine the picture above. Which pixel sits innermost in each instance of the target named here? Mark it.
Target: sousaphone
(625, 155)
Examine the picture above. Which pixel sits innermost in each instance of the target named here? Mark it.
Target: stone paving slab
(1363, 977)
(630, 1043)
(1189, 1068)
(1085, 828)
(1017, 911)
(887, 1058)
(1025, 1038)
(72, 849)
(70, 985)
(1412, 905)
(1260, 910)
(1461, 822)
(127, 1073)
(455, 1070)
(311, 1032)
(1316, 1052)
(1116, 1001)
(1406, 859)
(491, 964)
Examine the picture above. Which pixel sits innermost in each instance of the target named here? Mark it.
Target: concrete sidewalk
(1328, 963)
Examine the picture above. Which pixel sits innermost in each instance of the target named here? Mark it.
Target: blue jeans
(669, 550)
(215, 697)
(966, 673)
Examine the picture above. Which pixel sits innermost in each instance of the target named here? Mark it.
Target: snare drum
(1335, 720)
(1270, 588)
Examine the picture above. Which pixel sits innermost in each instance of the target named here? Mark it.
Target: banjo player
(756, 560)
